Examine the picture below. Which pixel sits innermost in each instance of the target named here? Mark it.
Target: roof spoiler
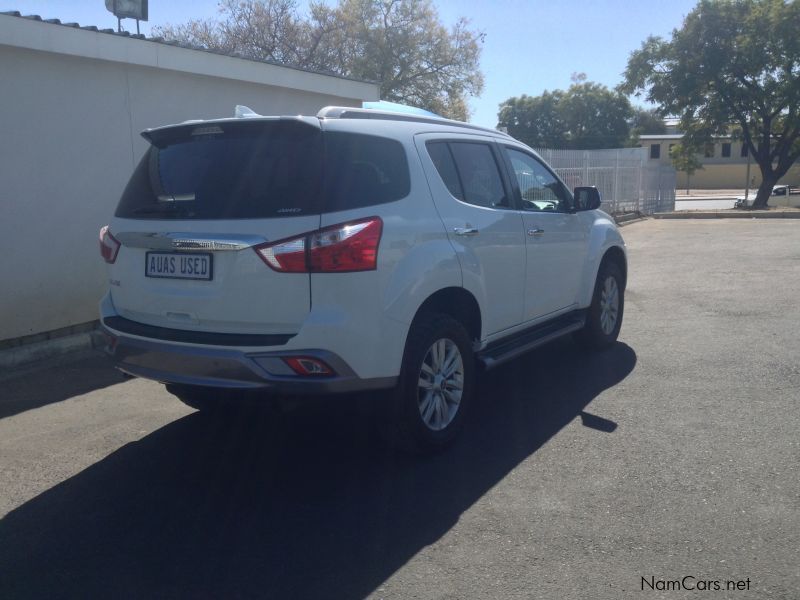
(196, 127)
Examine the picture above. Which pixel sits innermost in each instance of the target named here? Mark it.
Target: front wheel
(604, 317)
(436, 385)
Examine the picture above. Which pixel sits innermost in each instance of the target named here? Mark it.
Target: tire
(439, 353)
(604, 317)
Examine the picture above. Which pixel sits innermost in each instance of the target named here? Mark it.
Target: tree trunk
(764, 192)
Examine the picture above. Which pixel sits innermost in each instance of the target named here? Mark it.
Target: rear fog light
(305, 365)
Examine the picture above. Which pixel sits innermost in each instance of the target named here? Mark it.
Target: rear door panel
(493, 257)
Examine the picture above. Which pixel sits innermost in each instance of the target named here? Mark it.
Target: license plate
(178, 265)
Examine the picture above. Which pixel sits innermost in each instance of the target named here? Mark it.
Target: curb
(49, 352)
(627, 218)
(728, 214)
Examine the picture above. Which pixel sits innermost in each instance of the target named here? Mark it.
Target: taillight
(288, 256)
(341, 248)
(109, 246)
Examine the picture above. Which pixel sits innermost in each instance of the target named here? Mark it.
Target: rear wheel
(604, 317)
(436, 383)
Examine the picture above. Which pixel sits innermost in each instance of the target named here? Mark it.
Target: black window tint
(363, 170)
(443, 161)
(262, 170)
(479, 175)
(229, 171)
(539, 189)
(726, 150)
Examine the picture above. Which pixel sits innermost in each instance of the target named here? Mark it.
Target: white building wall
(69, 139)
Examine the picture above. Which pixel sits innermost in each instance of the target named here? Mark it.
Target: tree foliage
(399, 43)
(686, 158)
(733, 67)
(585, 116)
(646, 122)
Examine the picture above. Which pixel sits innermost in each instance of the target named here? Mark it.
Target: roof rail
(345, 112)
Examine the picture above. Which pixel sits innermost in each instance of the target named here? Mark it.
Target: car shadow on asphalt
(74, 378)
(306, 504)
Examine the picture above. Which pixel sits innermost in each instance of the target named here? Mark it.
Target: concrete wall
(69, 139)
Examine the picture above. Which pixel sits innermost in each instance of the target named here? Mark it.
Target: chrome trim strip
(188, 241)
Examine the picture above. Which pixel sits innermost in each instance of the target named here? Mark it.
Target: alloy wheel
(609, 305)
(441, 384)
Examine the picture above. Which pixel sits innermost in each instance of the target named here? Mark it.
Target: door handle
(465, 231)
(535, 232)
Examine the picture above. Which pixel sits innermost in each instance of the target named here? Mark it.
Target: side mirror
(587, 198)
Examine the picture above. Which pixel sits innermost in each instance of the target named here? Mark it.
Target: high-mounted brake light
(109, 246)
(341, 248)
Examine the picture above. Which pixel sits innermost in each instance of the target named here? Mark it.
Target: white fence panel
(627, 183)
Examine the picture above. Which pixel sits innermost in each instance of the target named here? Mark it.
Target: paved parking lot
(673, 457)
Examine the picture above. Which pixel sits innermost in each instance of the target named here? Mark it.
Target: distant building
(724, 162)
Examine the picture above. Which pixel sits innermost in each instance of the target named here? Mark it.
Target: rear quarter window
(363, 170)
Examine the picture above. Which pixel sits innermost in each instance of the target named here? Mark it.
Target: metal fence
(625, 178)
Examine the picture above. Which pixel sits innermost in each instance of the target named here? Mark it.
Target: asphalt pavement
(660, 467)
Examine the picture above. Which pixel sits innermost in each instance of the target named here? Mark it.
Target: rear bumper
(230, 367)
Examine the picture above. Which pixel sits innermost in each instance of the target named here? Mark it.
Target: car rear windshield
(262, 170)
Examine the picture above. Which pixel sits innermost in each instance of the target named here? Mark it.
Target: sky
(530, 46)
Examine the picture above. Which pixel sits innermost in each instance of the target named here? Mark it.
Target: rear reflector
(109, 246)
(305, 365)
(342, 248)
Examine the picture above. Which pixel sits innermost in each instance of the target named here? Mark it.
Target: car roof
(342, 114)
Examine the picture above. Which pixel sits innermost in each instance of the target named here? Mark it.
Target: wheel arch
(616, 255)
(457, 303)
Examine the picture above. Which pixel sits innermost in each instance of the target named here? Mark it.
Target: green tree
(645, 122)
(399, 43)
(685, 158)
(535, 120)
(733, 67)
(585, 116)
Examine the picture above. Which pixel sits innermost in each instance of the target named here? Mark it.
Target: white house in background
(73, 102)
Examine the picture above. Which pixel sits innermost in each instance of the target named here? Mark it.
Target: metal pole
(747, 183)
(616, 181)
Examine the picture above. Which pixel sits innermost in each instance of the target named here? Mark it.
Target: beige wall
(719, 172)
(732, 177)
(69, 138)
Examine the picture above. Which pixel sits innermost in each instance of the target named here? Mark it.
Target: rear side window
(470, 172)
(363, 170)
(262, 170)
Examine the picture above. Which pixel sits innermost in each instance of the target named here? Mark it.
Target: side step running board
(508, 349)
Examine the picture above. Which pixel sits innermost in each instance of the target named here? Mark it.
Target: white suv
(355, 250)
